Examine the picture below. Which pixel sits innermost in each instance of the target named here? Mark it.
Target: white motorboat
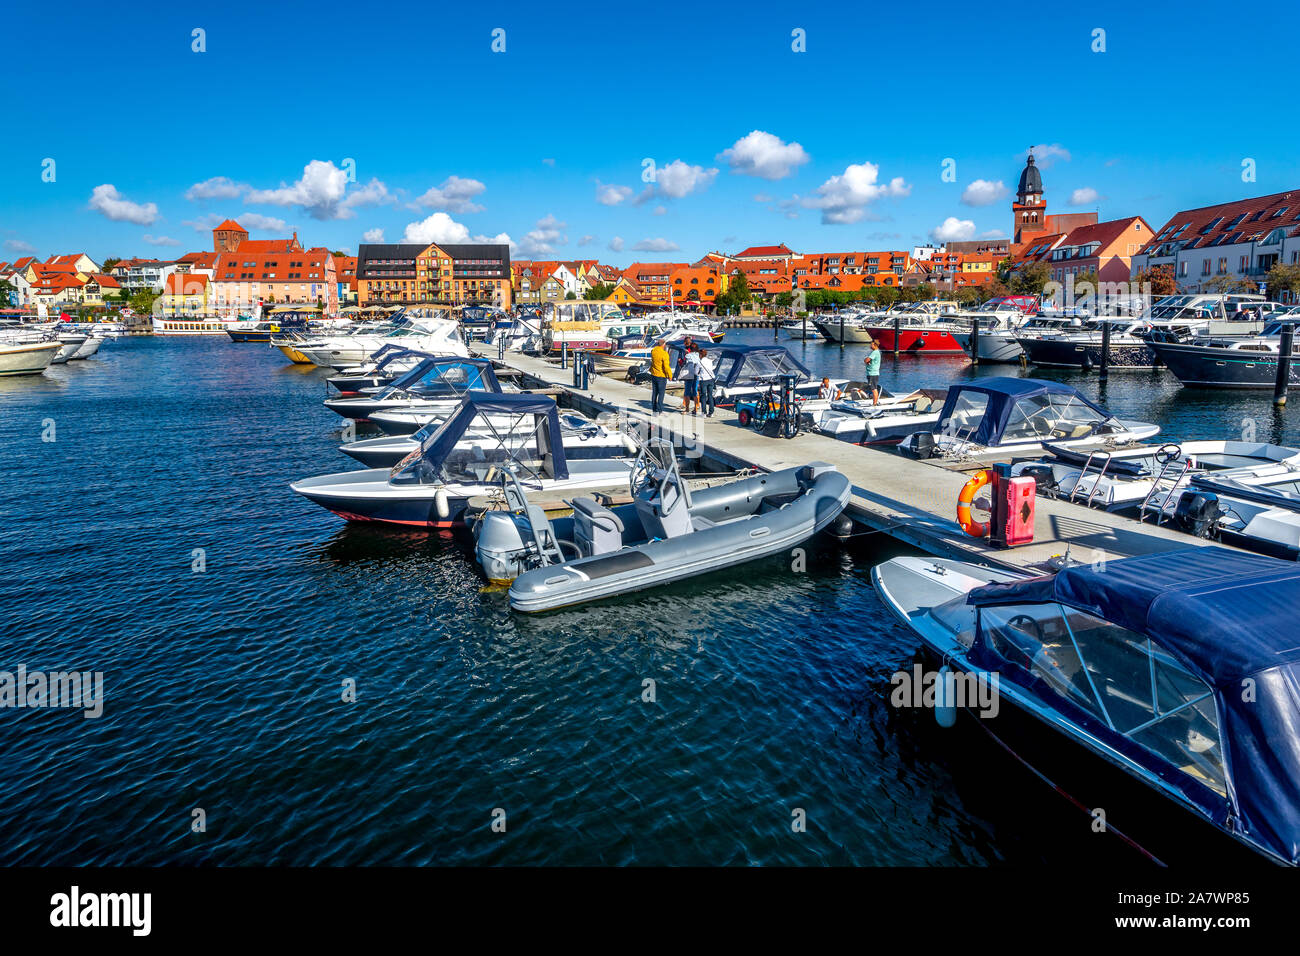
(26, 357)
(432, 486)
(858, 421)
(1019, 416)
(437, 336)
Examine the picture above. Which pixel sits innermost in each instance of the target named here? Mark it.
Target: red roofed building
(780, 251)
(1030, 220)
(187, 294)
(227, 236)
(299, 277)
(1234, 242)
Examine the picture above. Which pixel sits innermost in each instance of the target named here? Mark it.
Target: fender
(976, 529)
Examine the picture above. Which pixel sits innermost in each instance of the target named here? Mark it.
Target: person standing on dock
(872, 362)
(660, 372)
(706, 376)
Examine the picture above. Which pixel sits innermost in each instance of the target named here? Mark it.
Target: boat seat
(596, 529)
(667, 517)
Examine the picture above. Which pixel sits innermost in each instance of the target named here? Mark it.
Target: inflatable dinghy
(667, 534)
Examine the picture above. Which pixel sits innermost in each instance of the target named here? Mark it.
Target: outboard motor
(1198, 513)
(1043, 477)
(919, 445)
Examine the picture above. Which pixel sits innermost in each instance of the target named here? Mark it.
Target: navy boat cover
(516, 405)
(747, 364)
(1003, 394)
(1229, 618)
(449, 373)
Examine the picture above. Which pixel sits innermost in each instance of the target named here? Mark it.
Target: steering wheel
(1168, 452)
(1021, 620)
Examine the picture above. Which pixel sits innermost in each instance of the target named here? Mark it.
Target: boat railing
(1167, 461)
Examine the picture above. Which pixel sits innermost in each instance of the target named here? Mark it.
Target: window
(967, 413)
(1205, 267)
(1120, 677)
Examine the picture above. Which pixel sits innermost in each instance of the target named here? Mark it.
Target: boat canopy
(738, 365)
(444, 376)
(489, 432)
(991, 411)
(392, 352)
(1190, 655)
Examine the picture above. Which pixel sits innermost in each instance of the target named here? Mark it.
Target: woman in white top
(706, 376)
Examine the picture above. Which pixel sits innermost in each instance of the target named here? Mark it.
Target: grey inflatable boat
(667, 534)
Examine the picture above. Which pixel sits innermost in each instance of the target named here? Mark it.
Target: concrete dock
(913, 501)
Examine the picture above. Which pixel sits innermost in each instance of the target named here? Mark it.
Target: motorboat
(1017, 416)
(523, 334)
(19, 357)
(583, 438)
(69, 344)
(668, 533)
(437, 336)
(432, 486)
(1000, 319)
(1229, 361)
(861, 422)
(1148, 480)
(433, 387)
(924, 328)
(87, 348)
(389, 363)
(1171, 318)
(630, 352)
(1140, 664)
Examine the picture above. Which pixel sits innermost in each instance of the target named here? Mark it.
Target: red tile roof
(765, 251)
(190, 283)
(229, 224)
(1244, 219)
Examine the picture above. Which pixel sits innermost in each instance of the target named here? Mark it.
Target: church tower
(1029, 210)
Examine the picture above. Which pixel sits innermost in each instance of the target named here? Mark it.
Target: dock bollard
(1283, 380)
(1103, 373)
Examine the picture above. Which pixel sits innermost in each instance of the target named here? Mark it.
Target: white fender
(440, 504)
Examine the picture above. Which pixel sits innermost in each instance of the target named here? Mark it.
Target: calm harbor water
(224, 684)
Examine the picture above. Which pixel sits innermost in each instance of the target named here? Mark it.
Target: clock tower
(1029, 210)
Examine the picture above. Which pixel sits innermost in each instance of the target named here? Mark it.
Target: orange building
(446, 274)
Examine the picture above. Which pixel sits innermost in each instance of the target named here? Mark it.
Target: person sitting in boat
(828, 390)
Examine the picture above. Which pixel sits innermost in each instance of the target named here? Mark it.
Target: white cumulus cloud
(764, 155)
(1045, 154)
(656, 245)
(161, 240)
(953, 229)
(456, 194)
(542, 239)
(322, 192)
(616, 244)
(218, 187)
(845, 198)
(608, 194)
(373, 235)
(105, 199)
(983, 192)
(679, 179)
(255, 220)
(1085, 196)
(438, 227)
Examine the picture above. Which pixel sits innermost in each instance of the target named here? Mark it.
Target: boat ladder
(1185, 465)
(1103, 459)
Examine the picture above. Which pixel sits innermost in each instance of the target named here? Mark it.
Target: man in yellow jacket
(660, 372)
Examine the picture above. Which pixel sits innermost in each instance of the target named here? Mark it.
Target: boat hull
(1199, 366)
(1070, 353)
(922, 341)
(31, 359)
(993, 347)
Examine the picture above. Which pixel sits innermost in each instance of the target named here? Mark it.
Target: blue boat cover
(1230, 619)
(449, 373)
(1003, 394)
(391, 353)
(477, 405)
(747, 364)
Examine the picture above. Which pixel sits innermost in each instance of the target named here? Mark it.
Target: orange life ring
(976, 529)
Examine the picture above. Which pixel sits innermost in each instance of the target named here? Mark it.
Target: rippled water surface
(223, 686)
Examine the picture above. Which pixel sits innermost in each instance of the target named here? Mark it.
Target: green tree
(1283, 278)
(142, 301)
(109, 263)
(1029, 279)
(600, 292)
(570, 295)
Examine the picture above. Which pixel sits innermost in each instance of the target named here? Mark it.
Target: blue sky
(153, 143)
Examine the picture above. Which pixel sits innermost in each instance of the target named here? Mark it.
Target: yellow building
(186, 294)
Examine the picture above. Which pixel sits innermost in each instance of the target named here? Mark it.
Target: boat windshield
(1119, 677)
(480, 451)
(1051, 416)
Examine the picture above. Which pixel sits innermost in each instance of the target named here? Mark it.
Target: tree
(570, 295)
(339, 252)
(143, 300)
(600, 292)
(1230, 283)
(1029, 279)
(1283, 278)
(109, 263)
(1160, 278)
